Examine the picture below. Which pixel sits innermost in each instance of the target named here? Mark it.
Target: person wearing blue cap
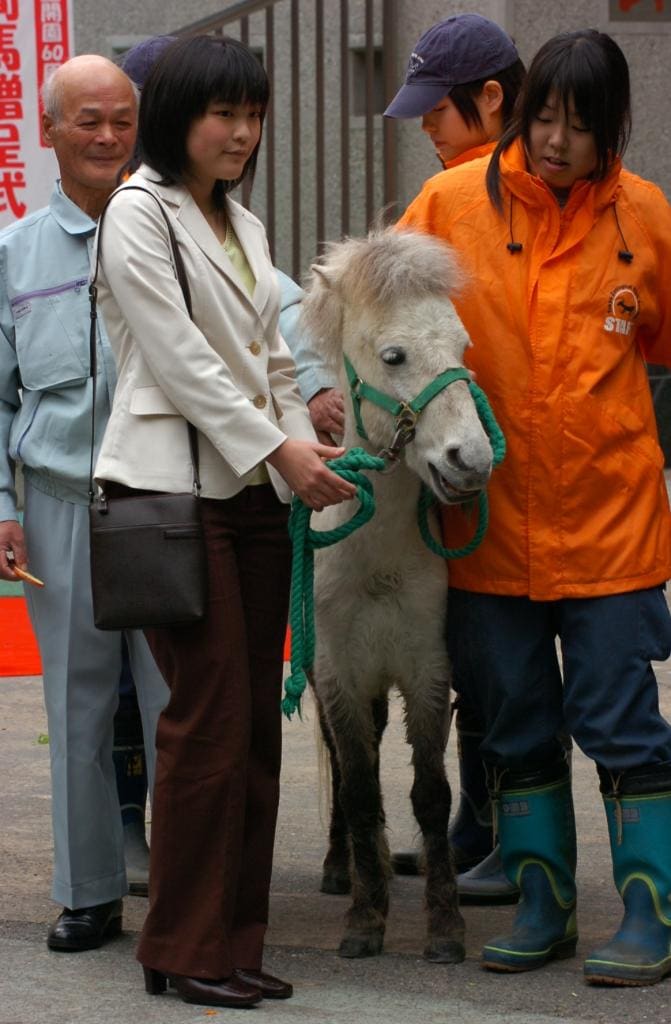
(139, 60)
(557, 618)
(463, 78)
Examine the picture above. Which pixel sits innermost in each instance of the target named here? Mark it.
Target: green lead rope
(306, 541)
(427, 498)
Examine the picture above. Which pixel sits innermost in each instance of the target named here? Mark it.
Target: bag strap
(180, 272)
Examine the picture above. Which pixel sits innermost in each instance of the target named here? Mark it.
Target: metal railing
(328, 160)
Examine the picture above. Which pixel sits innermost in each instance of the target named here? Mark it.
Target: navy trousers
(602, 691)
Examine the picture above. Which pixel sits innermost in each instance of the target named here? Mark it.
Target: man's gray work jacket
(45, 390)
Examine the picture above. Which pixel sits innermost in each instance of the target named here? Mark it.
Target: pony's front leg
(431, 799)
(336, 873)
(336, 866)
(354, 733)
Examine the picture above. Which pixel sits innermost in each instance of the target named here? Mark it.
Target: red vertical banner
(12, 108)
(52, 42)
(35, 39)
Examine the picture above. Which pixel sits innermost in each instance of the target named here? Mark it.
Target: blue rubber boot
(538, 850)
(487, 883)
(639, 826)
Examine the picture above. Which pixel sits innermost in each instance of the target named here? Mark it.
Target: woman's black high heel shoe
(155, 983)
(231, 992)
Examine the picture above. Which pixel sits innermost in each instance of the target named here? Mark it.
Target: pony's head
(384, 303)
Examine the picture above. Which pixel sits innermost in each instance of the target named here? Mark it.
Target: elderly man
(45, 422)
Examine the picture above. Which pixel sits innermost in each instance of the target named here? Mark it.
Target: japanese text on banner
(51, 38)
(12, 161)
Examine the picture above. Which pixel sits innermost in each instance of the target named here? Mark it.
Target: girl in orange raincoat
(463, 78)
(569, 257)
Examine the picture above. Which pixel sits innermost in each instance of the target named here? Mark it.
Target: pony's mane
(372, 274)
(390, 265)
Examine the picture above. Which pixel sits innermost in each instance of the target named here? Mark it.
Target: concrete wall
(101, 26)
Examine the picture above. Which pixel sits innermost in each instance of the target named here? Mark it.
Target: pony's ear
(327, 277)
(321, 313)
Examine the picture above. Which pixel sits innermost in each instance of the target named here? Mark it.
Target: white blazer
(228, 371)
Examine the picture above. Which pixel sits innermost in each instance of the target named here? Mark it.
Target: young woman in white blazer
(228, 372)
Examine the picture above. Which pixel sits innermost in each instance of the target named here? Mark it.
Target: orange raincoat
(561, 330)
(470, 154)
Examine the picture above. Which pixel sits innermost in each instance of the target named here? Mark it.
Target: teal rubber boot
(538, 850)
(639, 826)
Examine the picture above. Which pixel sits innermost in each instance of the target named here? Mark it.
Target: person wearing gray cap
(463, 78)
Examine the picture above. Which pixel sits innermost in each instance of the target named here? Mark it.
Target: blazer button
(260, 402)
(255, 348)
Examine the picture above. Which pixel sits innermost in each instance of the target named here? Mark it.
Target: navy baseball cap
(458, 50)
(139, 60)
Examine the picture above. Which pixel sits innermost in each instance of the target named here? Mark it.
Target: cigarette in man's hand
(27, 576)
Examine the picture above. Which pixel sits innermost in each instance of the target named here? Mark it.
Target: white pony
(380, 594)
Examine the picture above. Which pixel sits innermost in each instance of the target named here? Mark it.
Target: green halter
(399, 410)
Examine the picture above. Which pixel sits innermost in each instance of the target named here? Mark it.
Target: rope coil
(305, 542)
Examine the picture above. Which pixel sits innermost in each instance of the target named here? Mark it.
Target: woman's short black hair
(588, 70)
(464, 96)
(186, 78)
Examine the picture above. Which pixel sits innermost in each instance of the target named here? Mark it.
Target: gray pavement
(105, 986)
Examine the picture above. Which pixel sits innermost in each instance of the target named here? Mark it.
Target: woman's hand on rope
(301, 464)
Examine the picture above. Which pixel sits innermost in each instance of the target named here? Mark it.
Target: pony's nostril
(455, 459)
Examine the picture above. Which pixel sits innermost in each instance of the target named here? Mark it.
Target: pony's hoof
(335, 883)
(445, 951)
(357, 946)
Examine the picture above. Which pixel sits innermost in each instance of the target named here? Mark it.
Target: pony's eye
(393, 356)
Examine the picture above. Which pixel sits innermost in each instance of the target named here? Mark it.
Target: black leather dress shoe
(86, 928)
(231, 992)
(269, 987)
